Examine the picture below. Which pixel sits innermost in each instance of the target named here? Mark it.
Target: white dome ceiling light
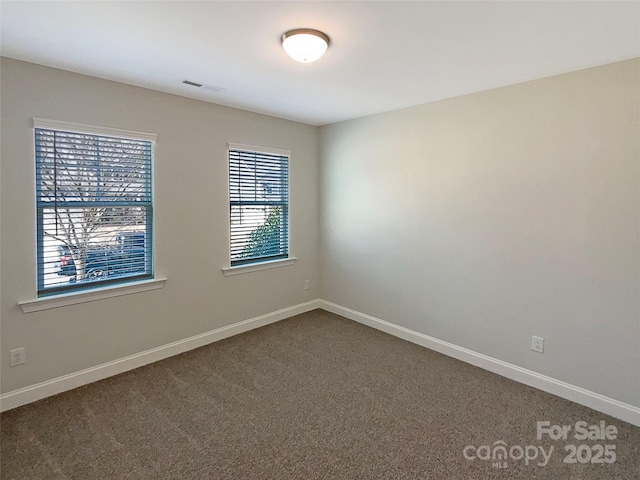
(305, 44)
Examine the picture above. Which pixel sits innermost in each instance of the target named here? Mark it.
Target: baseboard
(601, 403)
(48, 388)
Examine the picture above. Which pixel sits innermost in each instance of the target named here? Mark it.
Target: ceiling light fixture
(305, 44)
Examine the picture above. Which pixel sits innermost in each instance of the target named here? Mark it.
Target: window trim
(90, 295)
(93, 129)
(257, 265)
(131, 285)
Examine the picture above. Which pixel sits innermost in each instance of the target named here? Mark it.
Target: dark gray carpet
(312, 397)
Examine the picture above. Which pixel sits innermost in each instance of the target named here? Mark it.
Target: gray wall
(488, 218)
(191, 222)
(478, 220)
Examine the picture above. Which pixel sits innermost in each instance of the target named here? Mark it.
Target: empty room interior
(410, 251)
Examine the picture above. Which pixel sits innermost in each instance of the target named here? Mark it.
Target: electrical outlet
(306, 284)
(18, 356)
(537, 344)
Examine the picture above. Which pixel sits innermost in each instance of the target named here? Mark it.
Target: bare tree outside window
(91, 189)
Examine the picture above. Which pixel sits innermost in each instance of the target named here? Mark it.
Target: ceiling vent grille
(193, 84)
(204, 86)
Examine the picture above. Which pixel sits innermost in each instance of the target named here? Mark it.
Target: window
(94, 206)
(258, 204)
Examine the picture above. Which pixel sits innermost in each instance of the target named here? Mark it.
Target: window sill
(63, 300)
(254, 267)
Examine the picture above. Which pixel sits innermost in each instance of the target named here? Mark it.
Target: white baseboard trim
(601, 403)
(61, 384)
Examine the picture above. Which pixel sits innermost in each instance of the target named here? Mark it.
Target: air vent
(204, 86)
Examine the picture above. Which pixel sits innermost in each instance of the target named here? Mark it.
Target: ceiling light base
(305, 45)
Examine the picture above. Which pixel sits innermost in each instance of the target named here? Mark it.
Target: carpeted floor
(312, 397)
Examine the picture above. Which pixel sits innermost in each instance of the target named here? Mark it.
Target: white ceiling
(383, 55)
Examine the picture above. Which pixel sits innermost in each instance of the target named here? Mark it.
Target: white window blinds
(94, 209)
(259, 205)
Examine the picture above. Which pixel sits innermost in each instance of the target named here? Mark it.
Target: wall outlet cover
(537, 344)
